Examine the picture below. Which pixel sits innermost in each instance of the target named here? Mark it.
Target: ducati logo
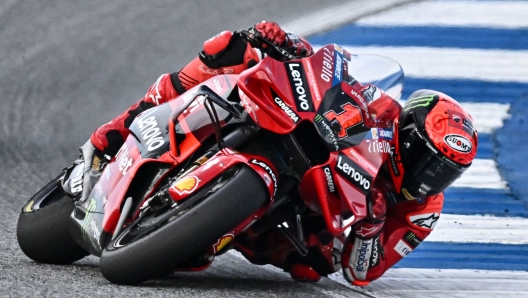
(186, 185)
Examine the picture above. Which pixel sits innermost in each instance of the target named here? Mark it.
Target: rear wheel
(43, 229)
(160, 240)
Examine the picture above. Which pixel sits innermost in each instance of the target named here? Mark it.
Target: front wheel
(43, 229)
(160, 240)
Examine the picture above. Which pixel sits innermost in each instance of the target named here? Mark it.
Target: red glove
(272, 32)
(371, 225)
(298, 46)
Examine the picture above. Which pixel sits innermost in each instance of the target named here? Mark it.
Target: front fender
(219, 163)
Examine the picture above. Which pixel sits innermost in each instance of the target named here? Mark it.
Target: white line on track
(486, 116)
(491, 14)
(480, 229)
(454, 63)
(415, 282)
(335, 16)
(483, 173)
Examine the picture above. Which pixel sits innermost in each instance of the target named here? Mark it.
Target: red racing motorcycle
(281, 139)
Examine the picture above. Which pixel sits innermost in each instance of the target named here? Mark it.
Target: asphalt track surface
(66, 67)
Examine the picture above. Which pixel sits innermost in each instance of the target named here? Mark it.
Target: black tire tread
(189, 234)
(44, 234)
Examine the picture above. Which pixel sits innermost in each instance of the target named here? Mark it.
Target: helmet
(437, 143)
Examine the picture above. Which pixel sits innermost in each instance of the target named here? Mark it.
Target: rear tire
(187, 232)
(43, 229)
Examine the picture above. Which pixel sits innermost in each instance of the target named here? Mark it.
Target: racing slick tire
(43, 228)
(219, 207)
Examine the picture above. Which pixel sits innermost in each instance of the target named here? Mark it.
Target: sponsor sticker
(427, 220)
(458, 143)
(412, 239)
(402, 248)
(299, 86)
(150, 132)
(354, 173)
(421, 101)
(377, 251)
(222, 242)
(123, 161)
(366, 231)
(392, 159)
(268, 170)
(378, 146)
(313, 82)
(338, 71)
(360, 257)
(381, 134)
(363, 161)
(186, 185)
(284, 107)
(218, 85)
(328, 65)
(330, 135)
(361, 101)
(455, 120)
(329, 179)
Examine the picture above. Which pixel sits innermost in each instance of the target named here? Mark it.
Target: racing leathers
(224, 53)
(393, 228)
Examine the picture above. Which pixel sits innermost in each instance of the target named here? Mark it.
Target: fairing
(147, 152)
(329, 89)
(351, 101)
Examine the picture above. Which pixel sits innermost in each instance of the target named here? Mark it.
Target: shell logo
(222, 242)
(186, 185)
(459, 143)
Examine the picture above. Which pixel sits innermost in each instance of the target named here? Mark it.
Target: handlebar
(255, 39)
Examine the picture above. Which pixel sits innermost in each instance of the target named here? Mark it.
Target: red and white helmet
(437, 143)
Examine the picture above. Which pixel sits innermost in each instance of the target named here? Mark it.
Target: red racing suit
(395, 227)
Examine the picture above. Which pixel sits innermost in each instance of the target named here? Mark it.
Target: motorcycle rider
(405, 200)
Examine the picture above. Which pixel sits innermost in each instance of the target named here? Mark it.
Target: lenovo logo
(300, 89)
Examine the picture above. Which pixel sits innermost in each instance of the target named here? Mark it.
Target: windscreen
(380, 71)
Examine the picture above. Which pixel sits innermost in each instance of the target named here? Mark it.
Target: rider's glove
(298, 47)
(272, 32)
(275, 35)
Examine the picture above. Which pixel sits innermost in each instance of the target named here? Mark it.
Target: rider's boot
(94, 162)
(304, 273)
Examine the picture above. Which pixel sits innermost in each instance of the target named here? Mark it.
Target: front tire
(43, 229)
(182, 234)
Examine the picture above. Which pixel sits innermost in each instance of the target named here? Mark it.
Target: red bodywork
(278, 96)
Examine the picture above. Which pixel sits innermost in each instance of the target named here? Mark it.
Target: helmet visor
(427, 171)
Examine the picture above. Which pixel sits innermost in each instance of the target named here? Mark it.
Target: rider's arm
(225, 53)
(378, 242)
